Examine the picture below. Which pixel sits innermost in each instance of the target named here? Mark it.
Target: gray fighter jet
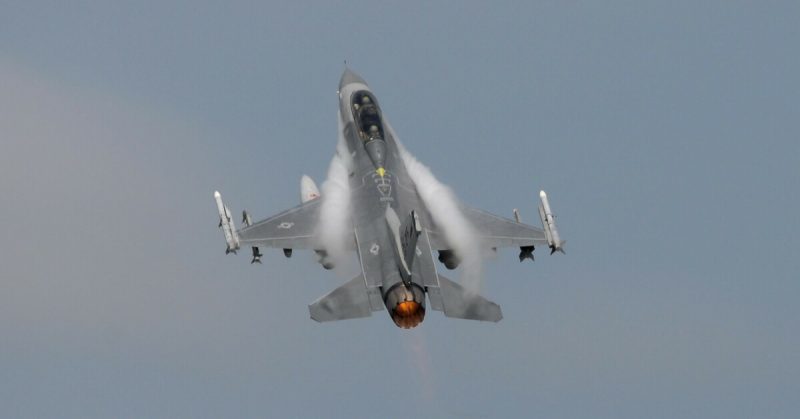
(389, 226)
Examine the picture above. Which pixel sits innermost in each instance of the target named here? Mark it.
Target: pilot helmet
(365, 100)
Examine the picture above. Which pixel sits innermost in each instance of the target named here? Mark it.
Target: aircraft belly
(374, 193)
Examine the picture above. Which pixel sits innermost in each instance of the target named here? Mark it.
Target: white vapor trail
(335, 225)
(444, 207)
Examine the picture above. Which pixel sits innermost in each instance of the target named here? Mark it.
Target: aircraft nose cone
(350, 77)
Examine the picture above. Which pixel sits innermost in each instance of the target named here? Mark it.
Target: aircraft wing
(495, 231)
(291, 229)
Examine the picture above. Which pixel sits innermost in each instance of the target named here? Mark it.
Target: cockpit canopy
(367, 116)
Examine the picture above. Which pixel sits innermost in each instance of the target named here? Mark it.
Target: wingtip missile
(559, 248)
(226, 223)
(549, 225)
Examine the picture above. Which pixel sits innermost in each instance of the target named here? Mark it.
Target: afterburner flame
(408, 314)
(407, 308)
(406, 304)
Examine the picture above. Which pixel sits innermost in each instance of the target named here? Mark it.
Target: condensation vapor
(335, 224)
(444, 207)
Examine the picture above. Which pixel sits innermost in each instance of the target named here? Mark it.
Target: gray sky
(665, 133)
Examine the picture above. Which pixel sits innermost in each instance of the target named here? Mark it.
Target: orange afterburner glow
(408, 314)
(407, 308)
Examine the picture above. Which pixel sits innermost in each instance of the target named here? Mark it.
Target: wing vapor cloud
(444, 207)
(334, 225)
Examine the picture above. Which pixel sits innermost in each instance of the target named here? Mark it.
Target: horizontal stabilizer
(463, 304)
(350, 301)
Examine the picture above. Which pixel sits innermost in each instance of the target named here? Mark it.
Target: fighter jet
(389, 227)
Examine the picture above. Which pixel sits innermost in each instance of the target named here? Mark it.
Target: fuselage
(383, 203)
(378, 179)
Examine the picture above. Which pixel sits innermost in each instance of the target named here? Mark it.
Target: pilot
(365, 100)
(373, 132)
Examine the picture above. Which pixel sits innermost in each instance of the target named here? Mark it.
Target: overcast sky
(666, 135)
